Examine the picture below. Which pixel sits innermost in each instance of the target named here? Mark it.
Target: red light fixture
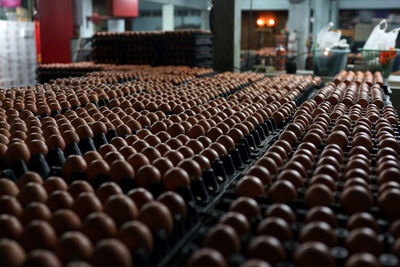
(271, 22)
(260, 22)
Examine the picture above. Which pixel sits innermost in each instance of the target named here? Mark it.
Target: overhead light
(260, 22)
(271, 22)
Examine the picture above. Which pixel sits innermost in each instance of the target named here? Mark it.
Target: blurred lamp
(260, 22)
(271, 22)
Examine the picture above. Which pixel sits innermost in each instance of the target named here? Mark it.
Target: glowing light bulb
(271, 22)
(260, 22)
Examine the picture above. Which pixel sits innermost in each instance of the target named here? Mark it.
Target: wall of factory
(153, 23)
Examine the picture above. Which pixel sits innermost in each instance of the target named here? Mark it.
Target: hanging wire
(248, 34)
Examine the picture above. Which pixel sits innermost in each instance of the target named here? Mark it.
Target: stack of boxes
(17, 54)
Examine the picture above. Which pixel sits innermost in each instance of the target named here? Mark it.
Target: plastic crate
(328, 62)
(378, 60)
